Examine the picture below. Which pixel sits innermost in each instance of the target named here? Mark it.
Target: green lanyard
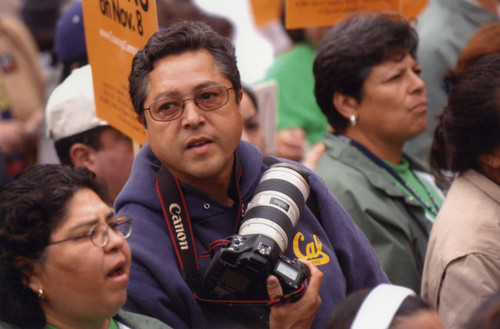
(430, 209)
(420, 188)
(112, 325)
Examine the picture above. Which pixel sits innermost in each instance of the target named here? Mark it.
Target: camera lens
(276, 206)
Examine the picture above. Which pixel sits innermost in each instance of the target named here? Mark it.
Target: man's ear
(345, 105)
(240, 96)
(82, 155)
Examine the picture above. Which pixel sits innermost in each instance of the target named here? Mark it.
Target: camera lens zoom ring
(284, 187)
(274, 215)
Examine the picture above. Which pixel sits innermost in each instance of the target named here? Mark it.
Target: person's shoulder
(436, 17)
(341, 168)
(139, 321)
(293, 59)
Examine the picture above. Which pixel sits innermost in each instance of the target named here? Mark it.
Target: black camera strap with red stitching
(176, 215)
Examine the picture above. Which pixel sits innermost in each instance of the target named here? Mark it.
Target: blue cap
(69, 39)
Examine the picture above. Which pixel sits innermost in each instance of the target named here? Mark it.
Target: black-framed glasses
(171, 108)
(99, 235)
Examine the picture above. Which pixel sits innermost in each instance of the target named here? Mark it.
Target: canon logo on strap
(180, 235)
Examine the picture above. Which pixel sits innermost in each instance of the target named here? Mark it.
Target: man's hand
(291, 144)
(313, 155)
(298, 315)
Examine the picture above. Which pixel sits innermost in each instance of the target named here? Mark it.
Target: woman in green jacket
(368, 86)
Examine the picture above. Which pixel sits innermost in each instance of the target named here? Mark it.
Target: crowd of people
(380, 208)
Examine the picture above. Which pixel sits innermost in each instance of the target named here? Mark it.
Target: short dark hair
(91, 137)
(177, 39)
(470, 123)
(410, 306)
(32, 206)
(349, 51)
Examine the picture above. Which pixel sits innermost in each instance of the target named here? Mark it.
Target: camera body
(240, 270)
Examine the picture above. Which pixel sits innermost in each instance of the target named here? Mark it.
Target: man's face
(113, 161)
(198, 147)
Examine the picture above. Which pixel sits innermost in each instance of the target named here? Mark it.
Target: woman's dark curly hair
(470, 123)
(32, 206)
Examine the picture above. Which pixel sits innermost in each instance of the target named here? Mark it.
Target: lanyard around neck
(178, 220)
(435, 205)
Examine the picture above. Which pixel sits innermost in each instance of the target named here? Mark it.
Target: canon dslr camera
(240, 270)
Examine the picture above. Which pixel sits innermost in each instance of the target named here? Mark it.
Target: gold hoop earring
(41, 294)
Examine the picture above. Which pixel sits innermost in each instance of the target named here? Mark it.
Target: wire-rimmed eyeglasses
(171, 108)
(99, 235)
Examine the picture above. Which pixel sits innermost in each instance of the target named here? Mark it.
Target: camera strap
(176, 215)
(178, 221)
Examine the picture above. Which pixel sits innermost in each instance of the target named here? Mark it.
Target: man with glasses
(191, 183)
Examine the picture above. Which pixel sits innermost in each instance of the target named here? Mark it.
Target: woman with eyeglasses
(64, 258)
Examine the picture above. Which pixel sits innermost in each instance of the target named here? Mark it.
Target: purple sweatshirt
(157, 288)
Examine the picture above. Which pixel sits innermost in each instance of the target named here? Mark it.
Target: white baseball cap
(71, 107)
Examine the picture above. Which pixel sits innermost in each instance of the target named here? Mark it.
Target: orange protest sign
(266, 11)
(412, 8)
(114, 31)
(309, 13)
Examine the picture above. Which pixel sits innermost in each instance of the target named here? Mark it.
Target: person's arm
(313, 155)
(466, 284)
(301, 314)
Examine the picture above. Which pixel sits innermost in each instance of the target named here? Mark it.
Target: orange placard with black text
(310, 13)
(114, 31)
